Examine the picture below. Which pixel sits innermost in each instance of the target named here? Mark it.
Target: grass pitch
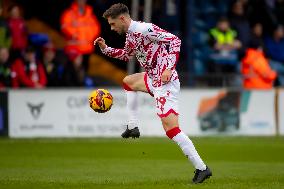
(236, 163)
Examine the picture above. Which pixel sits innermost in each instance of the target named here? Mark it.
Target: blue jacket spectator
(275, 51)
(275, 45)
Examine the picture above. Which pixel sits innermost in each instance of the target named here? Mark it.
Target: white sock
(132, 108)
(189, 150)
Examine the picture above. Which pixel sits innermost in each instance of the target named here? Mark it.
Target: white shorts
(166, 96)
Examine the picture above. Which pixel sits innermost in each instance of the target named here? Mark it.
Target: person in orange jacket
(80, 27)
(256, 70)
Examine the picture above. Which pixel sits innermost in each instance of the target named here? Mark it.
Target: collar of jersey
(132, 26)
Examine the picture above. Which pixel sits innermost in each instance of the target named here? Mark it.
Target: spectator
(262, 11)
(225, 45)
(80, 27)
(256, 71)
(53, 68)
(18, 30)
(28, 72)
(74, 75)
(274, 46)
(5, 36)
(256, 36)
(5, 71)
(239, 22)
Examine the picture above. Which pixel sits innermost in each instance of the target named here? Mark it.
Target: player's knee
(127, 83)
(165, 123)
(170, 122)
(126, 80)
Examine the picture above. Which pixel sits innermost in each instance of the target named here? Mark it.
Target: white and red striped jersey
(155, 49)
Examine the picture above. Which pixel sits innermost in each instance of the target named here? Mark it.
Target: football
(100, 100)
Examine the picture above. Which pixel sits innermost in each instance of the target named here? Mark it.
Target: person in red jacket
(28, 72)
(18, 31)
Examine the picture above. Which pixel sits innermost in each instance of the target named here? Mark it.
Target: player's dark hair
(115, 10)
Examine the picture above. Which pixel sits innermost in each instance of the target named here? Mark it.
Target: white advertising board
(281, 111)
(66, 113)
(211, 112)
(258, 118)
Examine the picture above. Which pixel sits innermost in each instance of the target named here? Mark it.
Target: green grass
(236, 162)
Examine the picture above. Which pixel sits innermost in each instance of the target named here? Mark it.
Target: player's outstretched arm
(122, 54)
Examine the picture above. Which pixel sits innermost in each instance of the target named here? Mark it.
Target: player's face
(117, 25)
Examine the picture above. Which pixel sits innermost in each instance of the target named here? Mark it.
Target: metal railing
(211, 80)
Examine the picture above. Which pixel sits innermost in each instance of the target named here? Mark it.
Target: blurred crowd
(31, 60)
(242, 40)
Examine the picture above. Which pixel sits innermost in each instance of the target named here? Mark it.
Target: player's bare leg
(136, 82)
(131, 85)
(171, 127)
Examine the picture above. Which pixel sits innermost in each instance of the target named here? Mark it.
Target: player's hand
(101, 42)
(166, 76)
